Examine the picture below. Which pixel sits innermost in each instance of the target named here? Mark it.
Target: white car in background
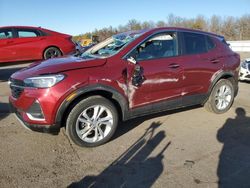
(244, 74)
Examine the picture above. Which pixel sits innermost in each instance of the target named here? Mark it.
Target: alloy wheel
(223, 97)
(94, 123)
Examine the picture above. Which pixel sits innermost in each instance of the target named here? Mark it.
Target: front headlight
(45, 81)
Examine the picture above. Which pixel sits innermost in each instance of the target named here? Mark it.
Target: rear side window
(194, 43)
(27, 33)
(5, 34)
(210, 43)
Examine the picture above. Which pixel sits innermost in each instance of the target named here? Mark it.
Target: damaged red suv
(128, 75)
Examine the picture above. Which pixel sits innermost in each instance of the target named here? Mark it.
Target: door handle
(173, 66)
(214, 61)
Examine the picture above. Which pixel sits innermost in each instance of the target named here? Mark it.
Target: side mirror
(132, 60)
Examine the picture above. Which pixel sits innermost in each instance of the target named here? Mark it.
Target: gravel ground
(184, 148)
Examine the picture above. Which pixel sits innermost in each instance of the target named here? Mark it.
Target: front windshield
(112, 45)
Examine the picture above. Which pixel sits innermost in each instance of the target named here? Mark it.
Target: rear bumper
(52, 129)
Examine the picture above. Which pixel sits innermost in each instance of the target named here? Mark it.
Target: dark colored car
(128, 75)
(20, 43)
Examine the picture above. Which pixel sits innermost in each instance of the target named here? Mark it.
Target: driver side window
(159, 46)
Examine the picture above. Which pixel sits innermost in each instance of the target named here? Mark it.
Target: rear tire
(221, 98)
(52, 52)
(92, 122)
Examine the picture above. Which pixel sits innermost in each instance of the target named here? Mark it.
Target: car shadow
(135, 167)
(6, 73)
(17, 63)
(245, 81)
(234, 161)
(4, 110)
(128, 125)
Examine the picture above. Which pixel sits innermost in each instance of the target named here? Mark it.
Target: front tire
(92, 122)
(221, 98)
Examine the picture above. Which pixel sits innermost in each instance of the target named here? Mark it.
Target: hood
(57, 65)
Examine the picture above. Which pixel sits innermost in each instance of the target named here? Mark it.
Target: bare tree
(134, 25)
(231, 27)
(147, 25)
(244, 27)
(200, 23)
(160, 24)
(215, 24)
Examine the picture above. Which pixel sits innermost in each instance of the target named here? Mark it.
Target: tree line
(232, 28)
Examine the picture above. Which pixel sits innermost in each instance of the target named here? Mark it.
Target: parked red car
(19, 43)
(128, 75)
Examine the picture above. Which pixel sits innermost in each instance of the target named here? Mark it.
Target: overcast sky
(79, 16)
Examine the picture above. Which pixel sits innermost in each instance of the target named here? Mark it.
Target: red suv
(20, 43)
(128, 75)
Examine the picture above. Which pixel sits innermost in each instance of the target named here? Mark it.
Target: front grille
(17, 87)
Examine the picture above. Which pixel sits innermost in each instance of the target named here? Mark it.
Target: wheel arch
(223, 75)
(107, 92)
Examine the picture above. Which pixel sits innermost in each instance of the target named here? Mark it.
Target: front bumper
(244, 74)
(52, 129)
